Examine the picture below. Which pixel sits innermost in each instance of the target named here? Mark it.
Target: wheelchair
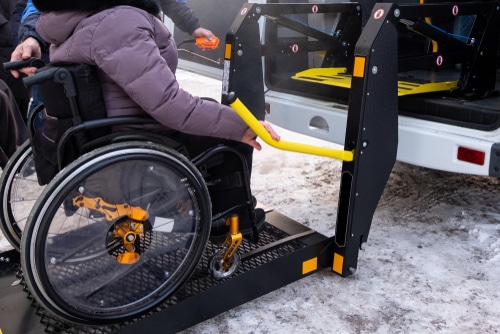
(19, 189)
(122, 218)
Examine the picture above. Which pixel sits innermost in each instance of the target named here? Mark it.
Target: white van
(450, 129)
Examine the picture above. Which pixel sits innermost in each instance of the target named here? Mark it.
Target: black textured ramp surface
(282, 247)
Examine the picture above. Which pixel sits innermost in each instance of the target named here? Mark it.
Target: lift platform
(366, 53)
(286, 252)
(338, 77)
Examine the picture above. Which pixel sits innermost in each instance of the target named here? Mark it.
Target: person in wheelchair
(136, 57)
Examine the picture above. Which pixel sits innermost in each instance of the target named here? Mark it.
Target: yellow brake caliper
(128, 230)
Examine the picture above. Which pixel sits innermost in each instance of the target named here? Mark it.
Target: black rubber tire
(19, 190)
(68, 254)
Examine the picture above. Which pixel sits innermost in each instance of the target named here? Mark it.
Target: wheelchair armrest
(60, 75)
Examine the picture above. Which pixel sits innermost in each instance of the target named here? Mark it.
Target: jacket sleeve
(142, 71)
(182, 16)
(16, 19)
(27, 29)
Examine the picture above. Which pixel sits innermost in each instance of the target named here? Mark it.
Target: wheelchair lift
(288, 251)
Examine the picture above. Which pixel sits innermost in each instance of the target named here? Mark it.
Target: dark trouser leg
(223, 177)
(13, 132)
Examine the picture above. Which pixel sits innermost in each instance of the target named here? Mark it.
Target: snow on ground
(432, 263)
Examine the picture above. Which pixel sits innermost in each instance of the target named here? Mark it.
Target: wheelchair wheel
(116, 233)
(19, 190)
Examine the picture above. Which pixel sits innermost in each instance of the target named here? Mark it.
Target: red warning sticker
(439, 60)
(378, 14)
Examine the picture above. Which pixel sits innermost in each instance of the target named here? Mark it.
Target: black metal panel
(245, 63)
(283, 60)
(372, 130)
(495, 160)
(477, 56)
(479, 80)
(309, 8)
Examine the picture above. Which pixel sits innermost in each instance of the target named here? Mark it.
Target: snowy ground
(432, 264)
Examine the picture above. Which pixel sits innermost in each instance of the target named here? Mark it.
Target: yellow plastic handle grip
(259, 129)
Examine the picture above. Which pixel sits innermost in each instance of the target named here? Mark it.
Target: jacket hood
(150, 6)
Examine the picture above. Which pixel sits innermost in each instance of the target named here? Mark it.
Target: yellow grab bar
(259, 129)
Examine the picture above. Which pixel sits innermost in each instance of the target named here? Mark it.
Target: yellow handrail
(259, 129)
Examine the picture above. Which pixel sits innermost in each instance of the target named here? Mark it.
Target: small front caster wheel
(217, 267)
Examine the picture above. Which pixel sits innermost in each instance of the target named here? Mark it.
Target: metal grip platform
(286, 252)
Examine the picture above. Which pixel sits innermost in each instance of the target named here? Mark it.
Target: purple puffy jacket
(137, 58)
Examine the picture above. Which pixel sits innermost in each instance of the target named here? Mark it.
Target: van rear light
(470, 155)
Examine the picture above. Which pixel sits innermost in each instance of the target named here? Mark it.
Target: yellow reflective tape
(338, 263)
(227, 52)
(359, 67)
(309, 265)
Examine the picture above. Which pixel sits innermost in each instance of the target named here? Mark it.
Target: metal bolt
(191, 212)
(81, 189)
(151, 168)
(167, 274)
(258, 10)
(397, 13)
(101, 303)
(239, 52)
(365, 144)
(374, 69)
(53, 260)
